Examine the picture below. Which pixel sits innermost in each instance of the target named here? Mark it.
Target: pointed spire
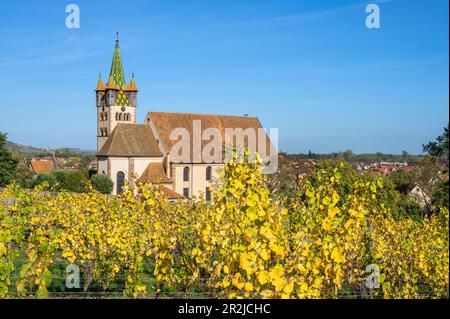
(100, 85)
(117, 40)
(116, 65)
(132, 87)
(117, 77)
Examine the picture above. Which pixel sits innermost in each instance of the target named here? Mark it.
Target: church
(141, 153)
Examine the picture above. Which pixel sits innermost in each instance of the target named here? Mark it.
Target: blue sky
(309, 68)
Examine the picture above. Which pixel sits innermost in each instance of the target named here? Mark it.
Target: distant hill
(26, 151)
(31, 151)
(350, 157)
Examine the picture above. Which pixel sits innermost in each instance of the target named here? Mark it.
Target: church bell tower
(116, 101)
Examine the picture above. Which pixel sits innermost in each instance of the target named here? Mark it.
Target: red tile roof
(42, 166)
(131, 140)
(170, 193)
(165, 122)
(155, 174)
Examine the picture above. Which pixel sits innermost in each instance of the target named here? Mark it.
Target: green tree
(347, 154)
(441, 195)
(72, 181)
(8, 162)
(102, 183)
(439, 148)
(24, 176)
(403, 181)
(50, 179)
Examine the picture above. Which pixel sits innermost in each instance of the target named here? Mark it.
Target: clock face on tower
(123, 109)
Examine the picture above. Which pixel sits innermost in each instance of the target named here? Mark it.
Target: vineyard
(244, 244)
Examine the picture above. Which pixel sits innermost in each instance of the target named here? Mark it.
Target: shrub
(71, 181)
(45, 178)
(102, 183)
(8, 162)
(24, 176)
(440, 196)
(76, 182)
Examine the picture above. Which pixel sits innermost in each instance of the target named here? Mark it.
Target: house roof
(170, 193)
(42, 166)
(155, 174)
(165, 122)
(131, 140)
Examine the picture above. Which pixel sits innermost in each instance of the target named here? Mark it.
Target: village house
(42, 166)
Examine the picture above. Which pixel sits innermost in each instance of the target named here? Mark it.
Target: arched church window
(186, 174)
(120, 181)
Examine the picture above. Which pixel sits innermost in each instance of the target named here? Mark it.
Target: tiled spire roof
(117, 67)
(132, 86)
(117, 75)
(111, 85)
(100, 85)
